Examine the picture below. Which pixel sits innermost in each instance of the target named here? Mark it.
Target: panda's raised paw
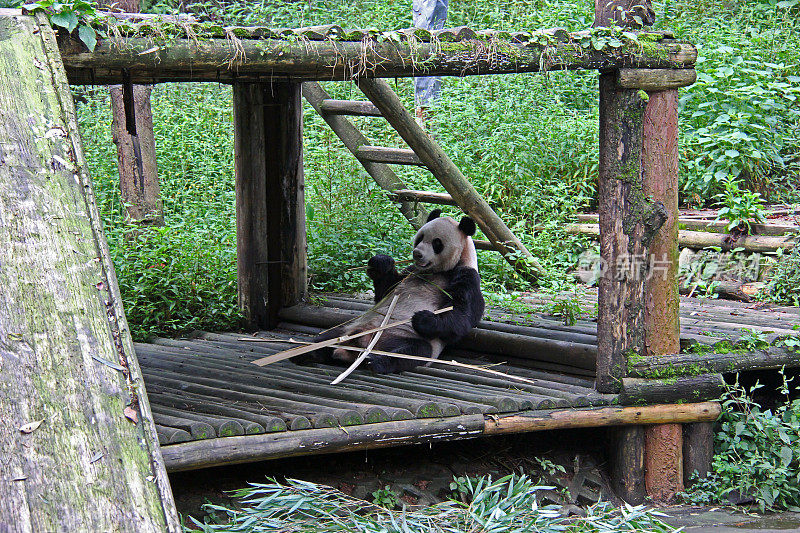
(380, 265)
(425, 323)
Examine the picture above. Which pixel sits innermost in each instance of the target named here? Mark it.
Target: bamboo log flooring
(205, 387)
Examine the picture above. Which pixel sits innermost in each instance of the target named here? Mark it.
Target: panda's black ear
(434, 214)
(467, 225)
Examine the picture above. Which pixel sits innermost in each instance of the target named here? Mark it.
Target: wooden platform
(206, 387)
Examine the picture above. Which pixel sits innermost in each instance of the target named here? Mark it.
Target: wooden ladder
(423, 152)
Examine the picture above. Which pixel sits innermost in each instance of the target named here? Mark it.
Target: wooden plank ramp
(79, 448)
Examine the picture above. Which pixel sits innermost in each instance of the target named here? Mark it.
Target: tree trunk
(136, 148)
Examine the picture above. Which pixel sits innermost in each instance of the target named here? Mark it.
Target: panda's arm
(384, 275)
(464, 294)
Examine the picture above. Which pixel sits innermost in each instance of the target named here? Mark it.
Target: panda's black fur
(444, 273)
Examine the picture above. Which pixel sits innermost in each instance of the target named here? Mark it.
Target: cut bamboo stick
(369, 347)
(324, 344)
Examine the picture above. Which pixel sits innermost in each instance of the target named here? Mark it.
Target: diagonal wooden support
(448, 174)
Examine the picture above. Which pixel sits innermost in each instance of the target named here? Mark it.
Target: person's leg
(430, 15)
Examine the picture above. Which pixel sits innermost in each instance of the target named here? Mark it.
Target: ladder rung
(358, 108)
(393, 156)
(484, 245)
(407, 195)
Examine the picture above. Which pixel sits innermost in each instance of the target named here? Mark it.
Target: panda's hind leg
(321, 355)
(383, 364)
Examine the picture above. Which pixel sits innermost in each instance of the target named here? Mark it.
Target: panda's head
(442, 244)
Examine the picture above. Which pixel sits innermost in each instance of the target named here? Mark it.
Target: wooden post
(661, 317)
(627, 463)
(623, 246)
(270, 206)
(136, 147)
(79, 446)
(698, 450)
(663, 461)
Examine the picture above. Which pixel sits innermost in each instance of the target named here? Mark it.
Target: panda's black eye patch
(419, 240)
(437, 246)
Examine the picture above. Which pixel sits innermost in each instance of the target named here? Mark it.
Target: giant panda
(444, 273)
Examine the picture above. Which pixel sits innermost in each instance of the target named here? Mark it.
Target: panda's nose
(417, 255)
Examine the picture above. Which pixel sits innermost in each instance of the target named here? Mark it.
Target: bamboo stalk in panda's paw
(287, 354)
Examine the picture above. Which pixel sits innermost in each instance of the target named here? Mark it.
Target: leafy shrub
(756, 454)
(175, 279)
(739, 207)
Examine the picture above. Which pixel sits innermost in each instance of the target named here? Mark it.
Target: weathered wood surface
(627, 463)
(409, 195)
(603, 416)
(66, 357)
(352, 138)
(718, 226)
(717, 363)
(132, 130)
(389, 156)
(663, 460)
(623, 245)
(662, 327)
(689, 388)
(220, 60)
(136, 157)
(655, 79)
(270, 208)
(250, 448)
(356, 108)
(699, 240)
(698, 450)
(451, 178)
(214, 452)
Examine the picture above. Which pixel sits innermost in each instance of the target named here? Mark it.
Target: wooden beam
(250, 448)
(713, 226)
(662, 327)
(668, 390)
(216, 60)
(270, 209)
(388, 156)
(699, 240)
(772, 357)
(79, 445)
(407, 195)
(655, 79)
(602, 417)
(623, 243)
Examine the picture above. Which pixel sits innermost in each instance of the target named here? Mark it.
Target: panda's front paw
(380, 265)
(381, 364)
(424, 323)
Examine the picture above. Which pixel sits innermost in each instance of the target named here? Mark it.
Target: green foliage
(741, 118)
(77, 14)
(756, 453)
(784, 282)
(568, 309)
(385, 498)
(739, 207)
(508, 504)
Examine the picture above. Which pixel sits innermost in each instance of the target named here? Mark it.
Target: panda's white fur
(445, 272)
